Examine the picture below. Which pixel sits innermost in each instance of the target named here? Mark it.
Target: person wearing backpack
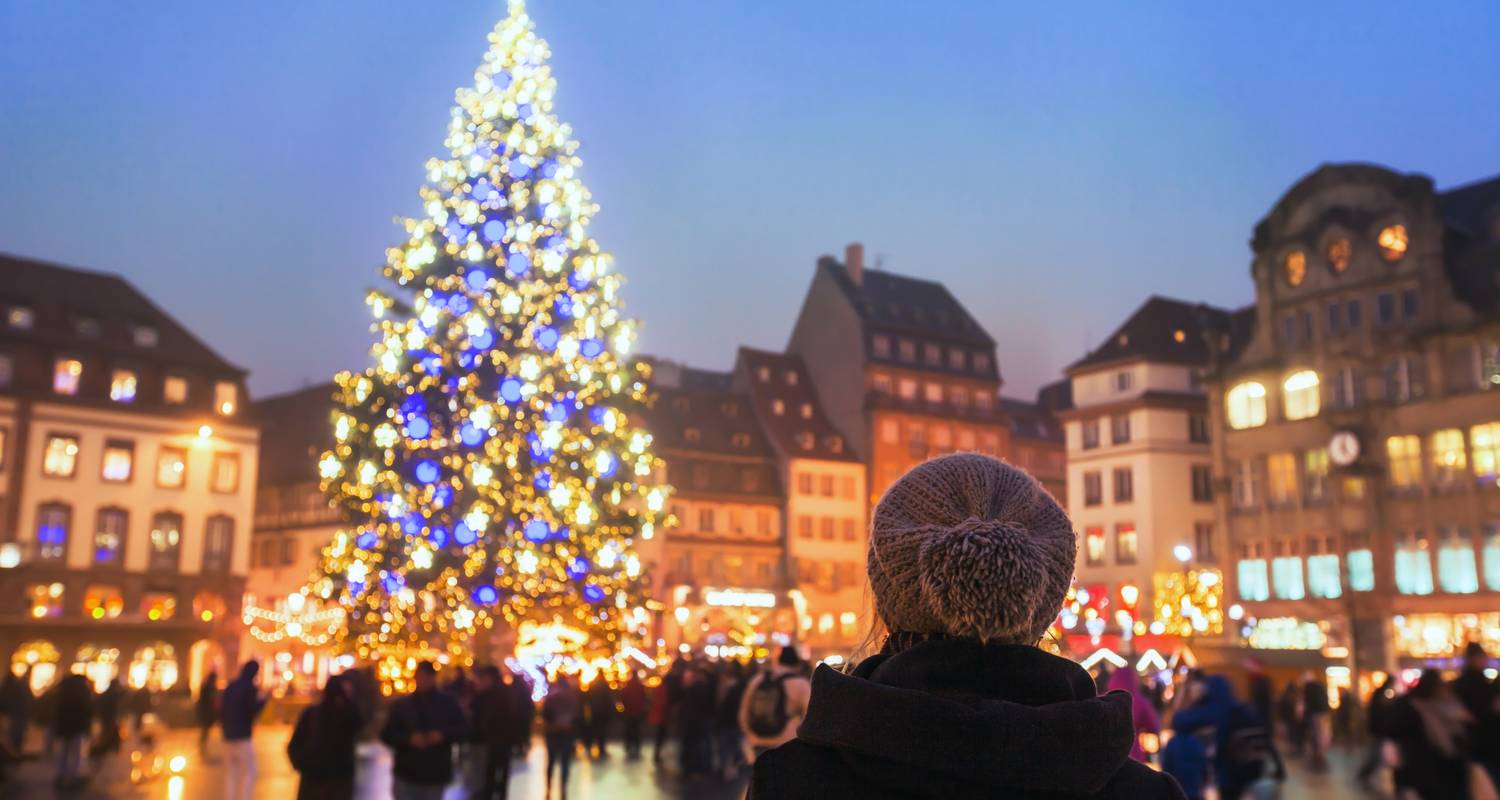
(774, 702)
(322, 745)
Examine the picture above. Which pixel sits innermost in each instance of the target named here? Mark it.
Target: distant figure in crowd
(1316, 721)
(71, 725)
(774, 702)
(969, 562)
(560, 713)
(694, 722)
(1289, 715)
(1482, 700)
(207, 709)
(729, 742)
(634, 704)
(107, 711)
(421, 729)
(1378, 725)
(242, 703)
(663, 702)
(494, 724)
(599, 709)
(16, 703)
(1431, 729)
(519, 689)
(1261, 699)
(1243, 750)
(1142, 712)
(322, 745)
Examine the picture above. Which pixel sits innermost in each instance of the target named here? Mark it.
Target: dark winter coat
(494, 720)
(75, 707)
(955, 719)
(241, 705)
(1479, 695)
(323, 741)
(424, 711)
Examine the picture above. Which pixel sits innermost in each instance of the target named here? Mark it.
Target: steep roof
(902, 304)
(1031, 421)
(1164, 330)
(1472, 245)
(1473, 207)
(707, 433)
(296, 427)
(61, 297)
(801, 429)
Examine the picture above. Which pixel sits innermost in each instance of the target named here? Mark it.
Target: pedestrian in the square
(599, 712)
(663, 706)
(729, 741)
(243, 701)
(773, 702)
(206, 709)
(969, 560)
(1317, 721)
(1242, 747)
(694, 723)
(1433, 733)
(494, 728)
(421, 728)
(1378, 726)
(1144, 714)
(71, 726)
(107, 708)
(519, 688)
(1481, 698)
(1289, 713)
(16, 703)
(635, 703)
(323, 742)
(560, 714)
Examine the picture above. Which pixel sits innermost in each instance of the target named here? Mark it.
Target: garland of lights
(491, 460)
(311, 626)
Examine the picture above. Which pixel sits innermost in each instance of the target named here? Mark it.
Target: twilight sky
(1054, 164)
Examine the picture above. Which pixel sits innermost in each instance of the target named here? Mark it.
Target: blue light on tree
(493, 230)
(593, 594)
(590, 348)
(537, 530)
(367, 540)
(486, 595)
(470, 434)
(577, 568)
(517, 264)
(463, 534)
(427, 471)
(482, 340)
(517, 167)
(510, 390)
(477, 279)
(542, 481)
(557, 412)
(438, 536)
(546, 338)
(417, 427)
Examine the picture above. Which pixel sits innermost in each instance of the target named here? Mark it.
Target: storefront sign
(1286, 633)
(739, 598)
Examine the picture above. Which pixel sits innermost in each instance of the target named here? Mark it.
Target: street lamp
(1183, 553)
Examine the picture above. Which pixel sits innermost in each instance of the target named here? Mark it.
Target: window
(1245, 405)
(53, 522)
(908, 349)
(60, 459)
(7, 370)
(907, 389)
(158, 606)
(1361, 563)
(916, 437)
(806, 410)
(1315, 475)
(102, 602)
(46, 599)
(846, 487)
(1125, 543)
(791, 377)
(706, 520)
(165, 542)
(1457, 570)
(890, 431)
(778, 407)
(1353, 487)
(1409, 304)
(1203, 483)
(736, 521)
(958, 396)
(1344, 393)
(1385, 308)
(763, 521)
(763, 374)
(1393, 242)
(218, 543)
(1124, 381)
(1281, 472)
(1323, 576)
(66, 373)
(965, 439)
(1404, 459)
(981, 363)
(1093, 489)
(119, 459)
(1124, 485)
(143, 336)
(1413, 564)
(1119, 428)
(942, 436)
(1245, 484)
(1197, 428)
(171, 468)
(1492, 555)
(1405, 379)
(288, 552)
(109, 536)
(932, 392)
(1339, 251)
(1093, 546)
(804, 526)
(956, 359)
(932, 355)
(122, 386)
(1484, 441)
(1289, 330)
(825, 528)
(990, 443)
(1203, 543)
(1299, 395)
(882, 383)
(1254, 583)
(1090, 434)
(1446, 450)
(1335, 318)
(983, 400)
(851, 531)
(825, 485)
(1294, 267)
(1286, 576)
(20, 317)
(1353, 313)
(881, 346)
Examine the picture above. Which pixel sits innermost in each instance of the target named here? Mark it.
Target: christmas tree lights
(491, 462)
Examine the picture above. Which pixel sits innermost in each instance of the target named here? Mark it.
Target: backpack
(767, 711)
(1246, 746)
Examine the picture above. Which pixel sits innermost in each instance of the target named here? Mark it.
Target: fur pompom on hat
(969, 546)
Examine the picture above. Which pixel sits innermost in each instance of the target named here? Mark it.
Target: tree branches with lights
(491, 462)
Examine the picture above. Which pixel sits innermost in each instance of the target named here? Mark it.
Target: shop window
(1300, 394)
(1323, 574)
(102, 602)
(1286, 577)
(154, 665)
(1254, 583)
(1094, 546)
(1245, 405)
(1457, 570)
(1413, 564)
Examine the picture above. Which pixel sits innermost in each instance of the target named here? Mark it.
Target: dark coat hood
(954, 718)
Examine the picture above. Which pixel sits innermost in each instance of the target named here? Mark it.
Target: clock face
(1343, 448)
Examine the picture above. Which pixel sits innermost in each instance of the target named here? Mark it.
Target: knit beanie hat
(969, 546)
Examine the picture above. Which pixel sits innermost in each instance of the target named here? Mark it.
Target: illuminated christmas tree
(491, 463)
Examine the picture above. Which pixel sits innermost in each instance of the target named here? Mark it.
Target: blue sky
(1054, 164)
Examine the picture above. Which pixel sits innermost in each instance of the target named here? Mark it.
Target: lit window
(1457, 571)
(1286, 577)
(907, 348)
(907, 389)
(1294, 265)
(1404, 457)
(165, 541)
(226, 473)
(66, 373)
(932, 355)
(881, 346)
(1125, 543)
(122, 386)
(1245, 484)
(20, 317)
(1361, 562)
(1484, 440)
(933, 392)
(1254, 583)
(171, 468)
(882, 383)
(981, 362)
(226, 397)
(175, 390)
(1413, 565)
(984, 401)
(1246, 405)
(119, 458)
(1448, 462)
(956, 359)
(1323, 576)
(991, 444)
(46, 600)
(144, 336)
(965, 439)
(1093, 540)
(218, 543)
(60, 460)
(158, 606)
(53, 520)
(1393, 242)
(1315, 475)
(109, 535)
(778, 407)
(958, 396)
(1281, 469)
(1299, 395)
(806, 410)
(102, 602)
(1339, 251)
(890, 431)
(942, 436)
(1492, 555)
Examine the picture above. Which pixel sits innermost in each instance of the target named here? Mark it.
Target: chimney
(854, 262)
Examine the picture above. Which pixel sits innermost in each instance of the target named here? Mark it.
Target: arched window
(1245, 405)
(166, 542)
(53, 521)
(218, 543)
(1299, 394)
